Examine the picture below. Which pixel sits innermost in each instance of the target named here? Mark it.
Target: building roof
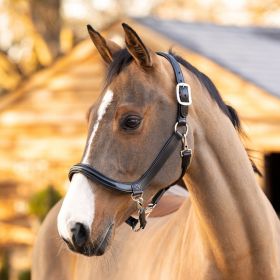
(251, 52)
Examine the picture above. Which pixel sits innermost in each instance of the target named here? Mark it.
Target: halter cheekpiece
(136, 188)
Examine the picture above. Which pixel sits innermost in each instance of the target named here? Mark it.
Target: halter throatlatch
(136, 188)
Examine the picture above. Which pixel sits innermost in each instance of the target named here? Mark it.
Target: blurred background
(50, 73)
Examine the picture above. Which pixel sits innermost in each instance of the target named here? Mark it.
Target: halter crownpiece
(136, 188)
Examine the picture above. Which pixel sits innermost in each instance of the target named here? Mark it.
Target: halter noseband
(136, 188)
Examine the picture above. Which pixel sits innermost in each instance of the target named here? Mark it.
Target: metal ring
(178, 132)
(137, 197)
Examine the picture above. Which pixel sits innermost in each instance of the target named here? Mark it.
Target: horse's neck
(233, 213)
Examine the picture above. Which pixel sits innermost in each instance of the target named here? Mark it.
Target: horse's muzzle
(81, 241)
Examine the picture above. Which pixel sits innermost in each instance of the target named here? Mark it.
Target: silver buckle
(186, 103)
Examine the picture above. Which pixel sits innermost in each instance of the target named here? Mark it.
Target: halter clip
(143, 212)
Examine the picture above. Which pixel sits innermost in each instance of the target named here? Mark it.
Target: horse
(225, 228)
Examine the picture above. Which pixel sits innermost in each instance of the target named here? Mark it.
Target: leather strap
(186, 161)
(137, 187)
(183, 90)
(170, 146)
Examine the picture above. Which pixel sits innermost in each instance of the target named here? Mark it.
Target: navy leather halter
(178, 137)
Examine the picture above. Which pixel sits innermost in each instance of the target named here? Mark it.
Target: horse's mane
(123, 58)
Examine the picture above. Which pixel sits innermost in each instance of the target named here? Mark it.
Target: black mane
(212, 90)
(123, 58)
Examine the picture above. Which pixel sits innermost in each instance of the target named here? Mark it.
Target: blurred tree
(263, 11)
(30, 38)
(10, 73)
(24, 275)
(47, 21)
(42, 201)
(250, 12)
(5, 267)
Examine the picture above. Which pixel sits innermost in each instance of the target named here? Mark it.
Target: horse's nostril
(80, 234)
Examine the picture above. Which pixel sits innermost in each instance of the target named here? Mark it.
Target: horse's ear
(136, 47)
(106, 48)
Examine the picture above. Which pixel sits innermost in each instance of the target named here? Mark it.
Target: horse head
(128, 126)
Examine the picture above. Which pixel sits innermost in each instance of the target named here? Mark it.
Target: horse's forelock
(121, 60)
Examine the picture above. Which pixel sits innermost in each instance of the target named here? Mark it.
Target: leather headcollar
(136, 188)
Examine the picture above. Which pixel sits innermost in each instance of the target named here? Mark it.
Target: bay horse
(225, 229)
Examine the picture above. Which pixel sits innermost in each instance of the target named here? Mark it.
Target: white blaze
(79, 203)
(107, 99)
(77, 206)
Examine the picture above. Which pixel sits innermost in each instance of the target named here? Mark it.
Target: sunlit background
(50, 73)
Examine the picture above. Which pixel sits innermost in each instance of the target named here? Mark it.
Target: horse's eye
(131, 122)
